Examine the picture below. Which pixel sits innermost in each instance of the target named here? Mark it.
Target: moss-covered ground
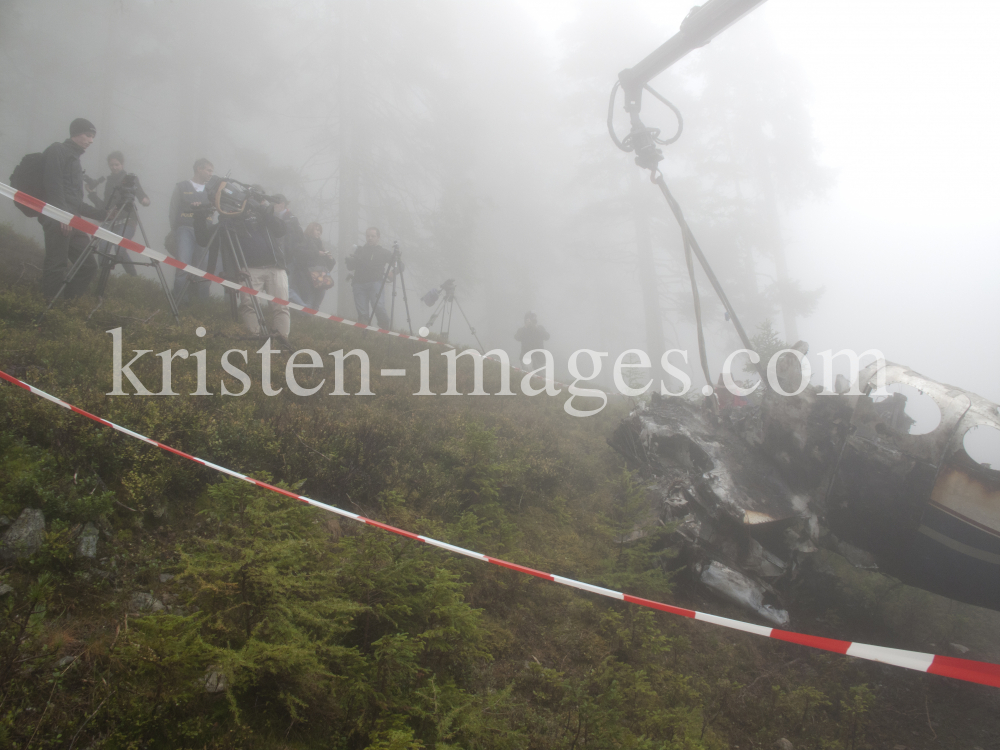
(286, 627)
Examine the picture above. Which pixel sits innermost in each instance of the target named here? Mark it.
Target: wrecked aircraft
(754, 487)
(751, 488)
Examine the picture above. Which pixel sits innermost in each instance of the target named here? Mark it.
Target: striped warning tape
(961, 669)
(103, 234)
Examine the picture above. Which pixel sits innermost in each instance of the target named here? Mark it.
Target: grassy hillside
(219, 615)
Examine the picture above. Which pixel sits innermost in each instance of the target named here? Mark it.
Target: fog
(838, 162)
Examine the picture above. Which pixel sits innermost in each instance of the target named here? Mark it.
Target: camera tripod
(118, 222)
(225, 239)
(446, 308)
(394, 269)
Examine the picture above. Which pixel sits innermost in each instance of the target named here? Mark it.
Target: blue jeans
(190, 252)
(366, 296)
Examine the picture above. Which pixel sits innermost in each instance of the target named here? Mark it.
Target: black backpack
(28, 177)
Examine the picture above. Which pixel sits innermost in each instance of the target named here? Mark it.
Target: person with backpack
(62, 187)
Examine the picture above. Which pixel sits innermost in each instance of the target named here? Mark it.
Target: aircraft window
(982, 443)
(908, 409)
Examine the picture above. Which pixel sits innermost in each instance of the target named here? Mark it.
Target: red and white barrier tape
(96, 231)
(962, 669)
(103, 234)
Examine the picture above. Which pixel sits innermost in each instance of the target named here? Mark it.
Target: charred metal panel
(884, 477)
(965, 493)
(716, 490)
(731, 478)
(744, 591)
(803, 434)
(882, 427)
(885, 471)
(928, 511)
(877, 500)
(957, 551)
(754, 487)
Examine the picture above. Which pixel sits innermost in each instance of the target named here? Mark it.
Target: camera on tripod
(447, 286)
(445, 308)
(123, 192)
(234, 198)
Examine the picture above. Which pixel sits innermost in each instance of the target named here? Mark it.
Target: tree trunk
(106, 125)
(778, 253)
(348, 186)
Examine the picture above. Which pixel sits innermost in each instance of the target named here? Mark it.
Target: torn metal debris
(752, 487)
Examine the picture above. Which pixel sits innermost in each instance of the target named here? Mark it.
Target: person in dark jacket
(292, 244)
(63, 184)
(368, 264)
(112, 194)
(188, 196)
(116, 165)
(258, 234)
(312, 259)
(304, 254)
(532, 336)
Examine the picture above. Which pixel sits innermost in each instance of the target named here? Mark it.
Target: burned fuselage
(754, 487)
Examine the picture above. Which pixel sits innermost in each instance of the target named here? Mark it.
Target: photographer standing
(368, 264)
(116, 191)
(189, 196)
(532, 337)
(62, 181)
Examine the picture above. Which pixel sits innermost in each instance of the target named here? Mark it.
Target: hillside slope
(215, 614)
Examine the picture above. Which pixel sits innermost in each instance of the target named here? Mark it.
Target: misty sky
(905, 100)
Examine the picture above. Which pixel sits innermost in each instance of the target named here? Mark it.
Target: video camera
(234, 198)
(447, 286)
(124, 191)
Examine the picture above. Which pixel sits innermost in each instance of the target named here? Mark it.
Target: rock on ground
(143, 603)
(25, 537)
(215, 681)
(87, 546)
